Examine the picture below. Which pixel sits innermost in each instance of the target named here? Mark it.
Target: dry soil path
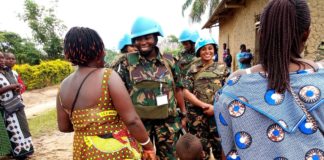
(39, 100)
(51, 146)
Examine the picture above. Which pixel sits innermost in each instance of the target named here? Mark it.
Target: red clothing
(20, 81)
(23, 86)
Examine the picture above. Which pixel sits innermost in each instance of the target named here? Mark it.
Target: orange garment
(100, 133)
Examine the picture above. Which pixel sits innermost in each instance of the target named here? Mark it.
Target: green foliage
(24, 49)
(173, 46)
(173, 39)
(198, 8)
(174, 52)
(43, 124)
(29, 54)
(9, 41)
(47, 30)
(47, 73)
(110, 55)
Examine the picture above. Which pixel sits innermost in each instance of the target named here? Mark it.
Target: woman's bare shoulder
(113, 75)
(114, 79)
(66, 81)
(240, 72)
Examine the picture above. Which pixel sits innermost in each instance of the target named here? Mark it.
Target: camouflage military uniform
(146, 80)
(185, 61)
(117, 59)
(115, 63)
(204, 82)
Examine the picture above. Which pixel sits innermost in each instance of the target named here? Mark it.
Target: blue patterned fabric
(257, 123)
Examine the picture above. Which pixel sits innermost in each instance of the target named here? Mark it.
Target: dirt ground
(52, 146)
(39, 100)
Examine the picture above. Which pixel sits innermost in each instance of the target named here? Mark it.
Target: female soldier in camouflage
(205, 77)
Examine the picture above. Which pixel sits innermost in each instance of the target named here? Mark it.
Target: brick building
(238, 23)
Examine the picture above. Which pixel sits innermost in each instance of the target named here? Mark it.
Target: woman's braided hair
(282, 26)
(82, 45)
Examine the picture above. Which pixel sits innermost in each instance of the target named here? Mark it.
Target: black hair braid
(82, 45)
(282, 25)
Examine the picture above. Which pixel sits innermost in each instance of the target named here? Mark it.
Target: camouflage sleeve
(176, 75)
(116, 61)
(123, 72)
(188, 81)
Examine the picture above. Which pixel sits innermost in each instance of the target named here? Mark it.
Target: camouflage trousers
(204, 127)
(165, 133)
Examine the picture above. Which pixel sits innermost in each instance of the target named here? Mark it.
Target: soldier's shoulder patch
(132, 58)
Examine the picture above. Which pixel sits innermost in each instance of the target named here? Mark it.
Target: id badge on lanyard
(161, 99)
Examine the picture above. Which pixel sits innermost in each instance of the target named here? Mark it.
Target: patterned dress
(16, 126)
(100, 133)
(258, 123)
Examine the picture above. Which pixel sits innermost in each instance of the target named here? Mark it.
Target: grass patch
(44, 123)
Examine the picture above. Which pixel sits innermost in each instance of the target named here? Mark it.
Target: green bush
(47, 73)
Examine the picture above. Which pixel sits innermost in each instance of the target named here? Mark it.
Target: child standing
(189, 147)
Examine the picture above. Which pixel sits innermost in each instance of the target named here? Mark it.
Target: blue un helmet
(126, 40)
(188, 35)
(143, 26)
(203, 41)
(194, 36)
